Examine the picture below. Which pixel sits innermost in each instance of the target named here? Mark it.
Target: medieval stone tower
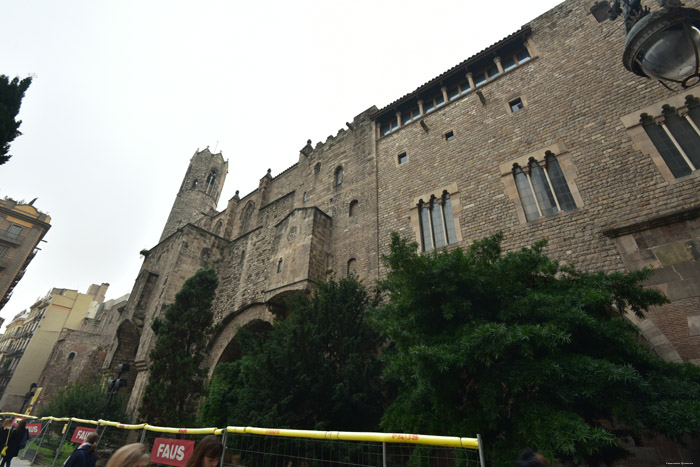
(199, 192)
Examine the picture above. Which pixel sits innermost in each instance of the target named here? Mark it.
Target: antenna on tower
(217, 145)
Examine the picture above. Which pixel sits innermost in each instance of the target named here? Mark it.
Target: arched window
(437, 224)
(543, 189)
(353, 208)
(211, 182)
(71, 356)
(305, 197)
(317, 168)
(338, 176)
(247, 216)
(279, 266)
(352, 267)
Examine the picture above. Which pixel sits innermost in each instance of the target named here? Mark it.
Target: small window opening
(449, 135)
(194, 184)
(338, 176)
(279, 266)
(305, 197)
(403, 158)
(353, 208)
(352, 267)
(317, 168)
(71, 356)
(516, 104)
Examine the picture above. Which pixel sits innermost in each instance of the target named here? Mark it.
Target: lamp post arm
(632, 10)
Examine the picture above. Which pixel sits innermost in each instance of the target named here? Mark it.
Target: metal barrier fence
(57, 438)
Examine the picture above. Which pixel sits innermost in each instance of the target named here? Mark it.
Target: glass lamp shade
(665, 45)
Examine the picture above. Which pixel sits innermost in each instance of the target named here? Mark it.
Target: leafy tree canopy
(11, 95)
(84, 399)
(314, 369)
(176, 381)
(526, 352)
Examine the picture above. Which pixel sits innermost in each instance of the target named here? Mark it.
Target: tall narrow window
(437, 224)
(352, 267)
(338, 176)
(675, 161)
(247, 216)
(211, 182)
(353, 208)
(543, 189)
(279, 266)
(13, 231)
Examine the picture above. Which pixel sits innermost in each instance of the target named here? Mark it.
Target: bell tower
(199, 192)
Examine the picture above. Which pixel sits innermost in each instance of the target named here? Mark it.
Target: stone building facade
(542, 135)
(22, 227)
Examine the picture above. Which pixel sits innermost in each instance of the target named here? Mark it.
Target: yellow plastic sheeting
(449, 441)
(14, 414)
(186, 431)
(122, 425)
(82, 420)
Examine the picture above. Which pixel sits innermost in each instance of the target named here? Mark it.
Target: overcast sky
(125, 92)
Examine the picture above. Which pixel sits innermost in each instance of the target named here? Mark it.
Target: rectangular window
(3, 251)
(402, 158)
(516, 104)
(13, 231)
(522, 56)
(493, 72)
(508, 63)
(437, 223)
(410, 115)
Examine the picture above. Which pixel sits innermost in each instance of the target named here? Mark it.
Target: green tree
(526, 352)
(84, 399)
(11, 95)
(176, 381)
(314, 369)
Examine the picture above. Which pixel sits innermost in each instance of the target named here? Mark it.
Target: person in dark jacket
(86, 454)
(16, 441)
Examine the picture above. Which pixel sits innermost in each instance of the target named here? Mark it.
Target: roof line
(521, 33)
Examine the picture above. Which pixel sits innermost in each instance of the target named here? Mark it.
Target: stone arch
(246, 216)
(655, 337)
(254, 314)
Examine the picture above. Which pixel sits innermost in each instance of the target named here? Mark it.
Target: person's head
(528, 458)
(22, 424)
(6, 423)
(92, 439)
(131, 455)
(207, 453)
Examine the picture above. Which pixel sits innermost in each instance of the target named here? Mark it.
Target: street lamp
(113, 385)
(663, 45)
(28, 396)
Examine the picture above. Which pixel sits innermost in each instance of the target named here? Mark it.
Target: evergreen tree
(86, 400)
(11, 95)
(315, 369)
(176, 381)
(526, 352)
